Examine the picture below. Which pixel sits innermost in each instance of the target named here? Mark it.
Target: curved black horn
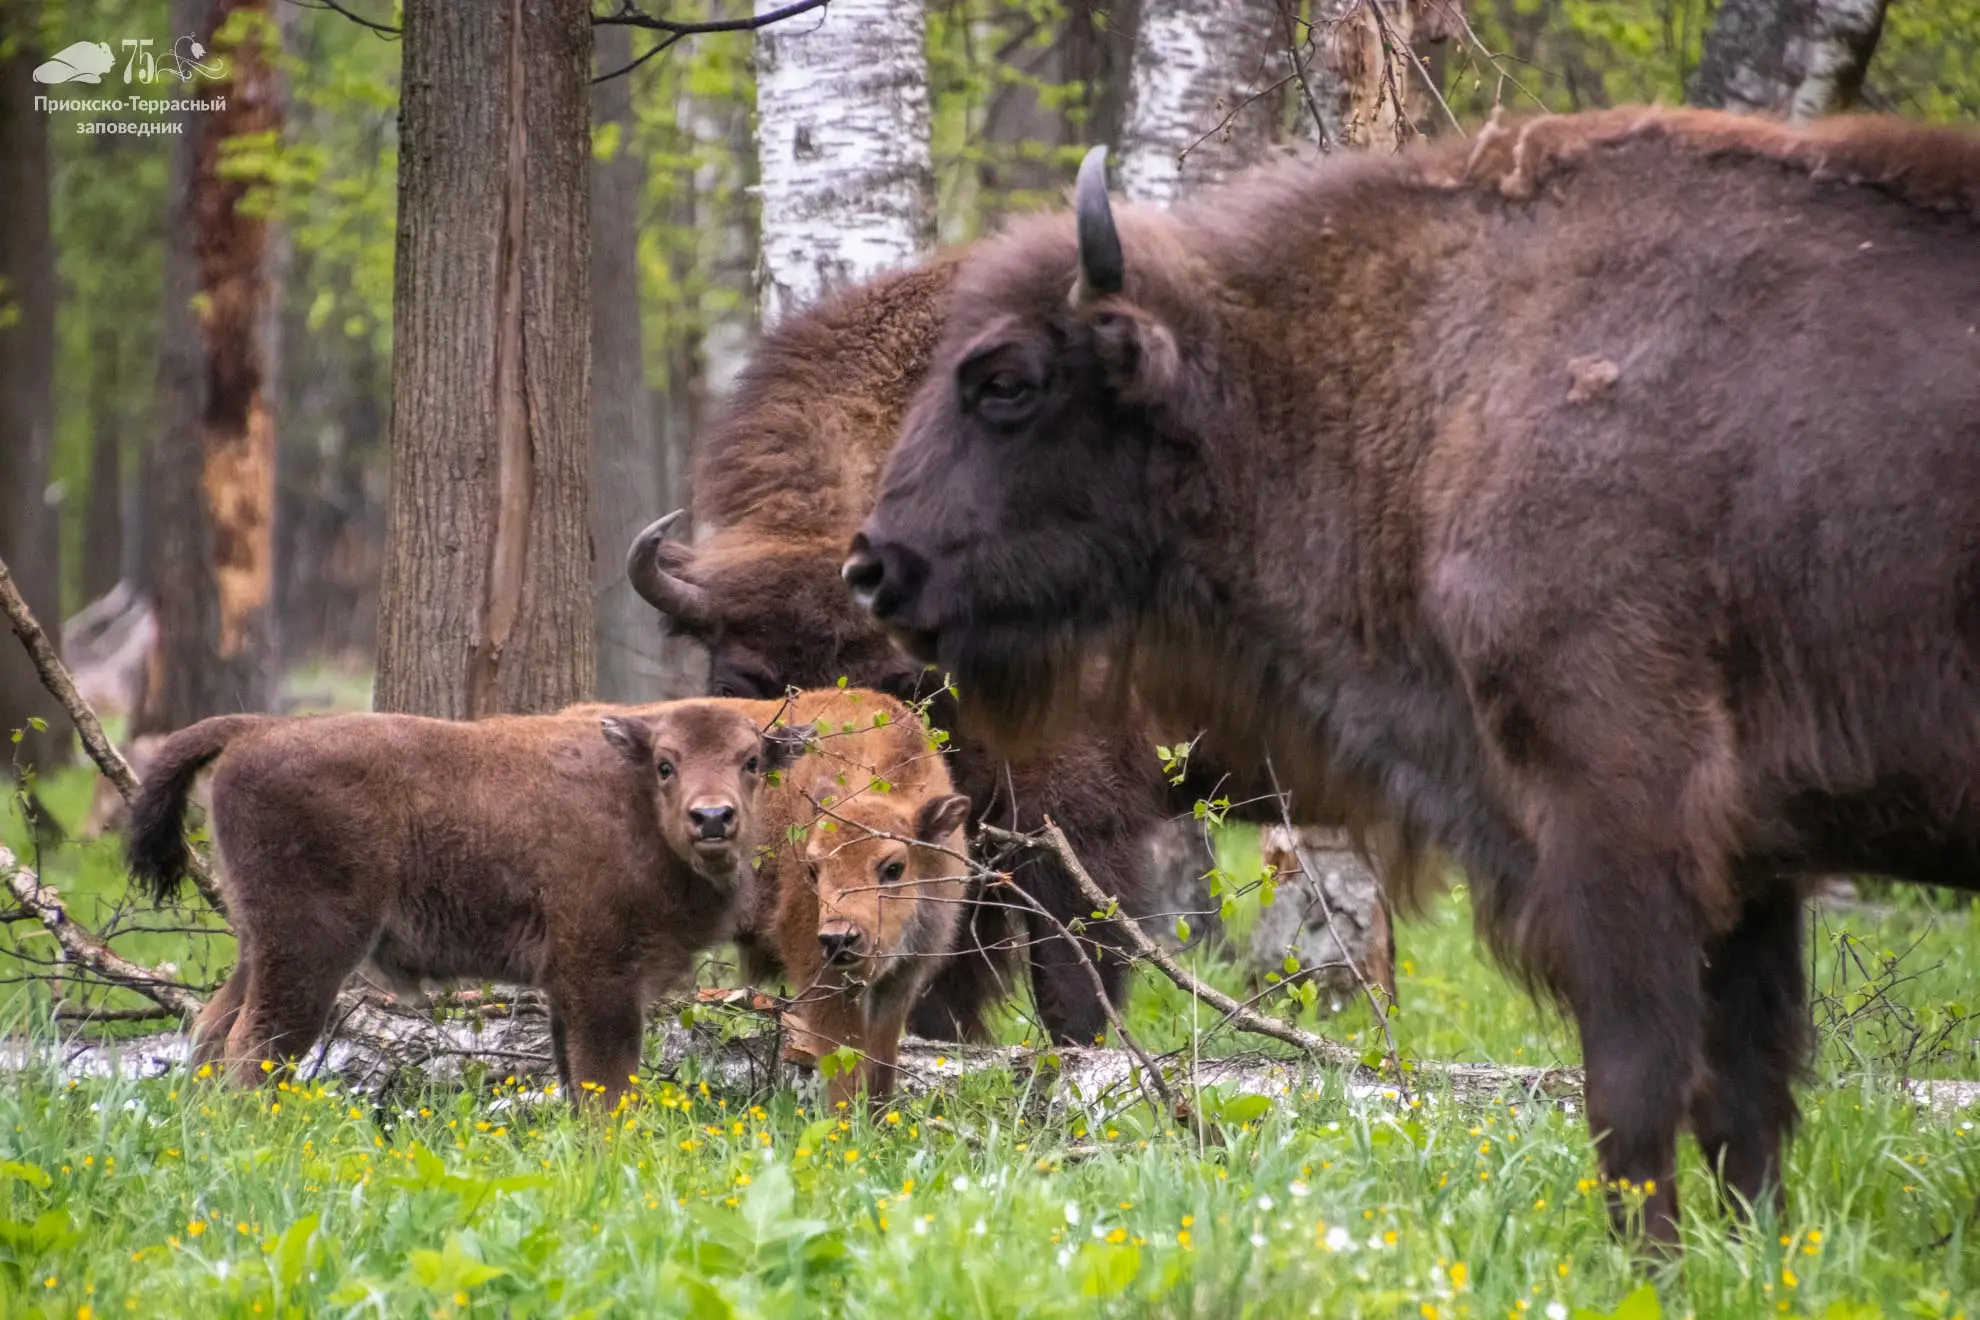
(678, 599)
(1101, 267)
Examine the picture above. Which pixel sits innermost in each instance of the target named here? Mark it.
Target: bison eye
(1006, 398)
(749, 766)
(893, 871)
(666, 769)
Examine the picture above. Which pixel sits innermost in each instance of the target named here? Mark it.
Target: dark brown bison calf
(525, 848)
(1629, 465)
(863, 879)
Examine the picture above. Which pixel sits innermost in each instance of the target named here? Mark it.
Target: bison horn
(680, 600)
(1101, 268)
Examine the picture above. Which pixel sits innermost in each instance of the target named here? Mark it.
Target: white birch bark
(1196, 63)
(842, 147)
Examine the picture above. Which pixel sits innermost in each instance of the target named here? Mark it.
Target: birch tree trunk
(842, 148)
(212, 487)
(1797, 58)
(27, 379)
(1194, 112)
(486, 602)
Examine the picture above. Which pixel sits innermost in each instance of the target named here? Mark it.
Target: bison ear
(632, 736)
(1137, 354)
(940, 817)
(786, 743)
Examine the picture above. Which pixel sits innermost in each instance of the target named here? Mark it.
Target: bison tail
(157, 853)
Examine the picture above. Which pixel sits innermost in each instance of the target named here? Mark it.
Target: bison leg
(1619, 937)
(560, 1055)
(603, 1026)
(290, 992)
(1061, 980)
(953, 1006)
(1757, 1038)
(216, 1020)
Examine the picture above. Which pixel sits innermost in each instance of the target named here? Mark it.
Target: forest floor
(174, 1196)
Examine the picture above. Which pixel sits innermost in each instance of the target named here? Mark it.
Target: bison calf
(862, 880)
(525, 848)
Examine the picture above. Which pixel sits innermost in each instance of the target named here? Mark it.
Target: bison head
(773, 614)
(890, 878)
(708, 762)
(1029, 508)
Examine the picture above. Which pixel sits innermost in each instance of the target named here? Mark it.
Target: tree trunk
(1191, 116)
(486, 604)
(843, 149)
(28, 532)
(1795, 58)
(1328, 914)
(633, 655)
(213, 471)
(103, 521)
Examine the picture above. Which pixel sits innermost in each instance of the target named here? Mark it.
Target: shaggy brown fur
(1639, 651)
(784, 478)
(589, 853)
(862, 881)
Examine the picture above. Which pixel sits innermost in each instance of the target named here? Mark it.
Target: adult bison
(784, 476)
(1633, 465)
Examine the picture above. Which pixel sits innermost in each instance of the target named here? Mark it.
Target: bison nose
(863, 572)
(837, 945)
(712, 822)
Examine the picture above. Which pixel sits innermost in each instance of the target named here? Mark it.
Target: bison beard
(1639, 657)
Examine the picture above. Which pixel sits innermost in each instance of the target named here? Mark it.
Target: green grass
(988, 1200)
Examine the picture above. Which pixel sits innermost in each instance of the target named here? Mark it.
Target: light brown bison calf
(862, 881)
(523, 848)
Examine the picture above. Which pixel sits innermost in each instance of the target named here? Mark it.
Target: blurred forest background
(127, 262)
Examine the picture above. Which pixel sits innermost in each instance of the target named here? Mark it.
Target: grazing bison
(521, 848)
(784, 478)
(1634, 465)
(861, 879)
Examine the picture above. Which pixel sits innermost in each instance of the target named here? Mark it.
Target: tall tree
(211, 545)
(842, 147)
(1797, 58)
(486, 603)
(27, 373)
(635, 661)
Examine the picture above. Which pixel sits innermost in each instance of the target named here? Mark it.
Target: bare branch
(384, 30)
(56, 678)
(84, 950)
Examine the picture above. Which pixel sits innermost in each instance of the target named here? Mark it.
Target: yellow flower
(894, 1118)
(1787, 1277)
(1188, 1221)
(194, 1227)
(1118, 1236)
(1460, 1276)
(1182, 1240)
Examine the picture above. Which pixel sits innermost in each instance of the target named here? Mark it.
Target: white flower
(1555, 1311)
(961, 1184)
(1072, 1213)
(1298, 1189)
(1374, 1241)
(1264, 1203)
(1337, 1238)
(1257, 1239)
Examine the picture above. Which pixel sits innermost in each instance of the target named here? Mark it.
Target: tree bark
(28, 531)
(1191, 116)
(633, 656)
(103, 521)
(1795, 58)
(213, 469)
(843, 147)
(486, 603)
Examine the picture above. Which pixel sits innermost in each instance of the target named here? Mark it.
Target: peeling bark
(842, 148)
(1796, 58)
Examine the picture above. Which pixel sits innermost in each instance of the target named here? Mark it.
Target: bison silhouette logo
(85, 61)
